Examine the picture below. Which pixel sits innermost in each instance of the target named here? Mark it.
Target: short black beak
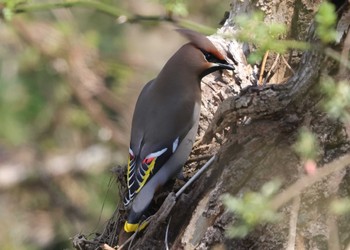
(217, 66)
(224, 66)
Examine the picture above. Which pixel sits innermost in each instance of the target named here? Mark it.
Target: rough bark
(253, 129)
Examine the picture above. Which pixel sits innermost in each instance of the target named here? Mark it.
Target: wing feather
(156, 133)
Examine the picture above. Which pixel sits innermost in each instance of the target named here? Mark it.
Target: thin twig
(111, 10)
(107, 247)
(333, 240)
(287, 64)
(262, 69)
(272, 67)
(337, 56)
(195, 177)
(166, 235)
(293, 223)
(127, 241)
(108, 9)
(299, 242)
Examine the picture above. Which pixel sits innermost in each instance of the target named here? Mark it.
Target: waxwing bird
(165, 123)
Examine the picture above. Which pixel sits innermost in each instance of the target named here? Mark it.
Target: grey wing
(159, 129)
(168, 170)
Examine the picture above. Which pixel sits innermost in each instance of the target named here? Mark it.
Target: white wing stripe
(156, 154)
(132, 166)
(175, 144)
(132, 175)
(130, 152)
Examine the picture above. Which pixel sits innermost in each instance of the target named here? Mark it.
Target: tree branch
(113, 11)
(97, 5)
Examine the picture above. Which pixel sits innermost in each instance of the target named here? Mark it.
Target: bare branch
(293, 224)
(108, 9)
(299, 186)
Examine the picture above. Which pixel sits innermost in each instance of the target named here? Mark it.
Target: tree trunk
(253, 131)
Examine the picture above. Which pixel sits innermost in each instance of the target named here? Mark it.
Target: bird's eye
(148, 160)
(208, 56)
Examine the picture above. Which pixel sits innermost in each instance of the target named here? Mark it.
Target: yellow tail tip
(129, 228)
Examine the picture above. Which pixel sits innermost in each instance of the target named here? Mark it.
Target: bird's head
(200, 54)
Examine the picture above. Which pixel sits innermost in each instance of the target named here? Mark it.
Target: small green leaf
(253, 208)
(178, 7)
(340, 206)
(8, 14)
(255, 57)
(264, 36)
(337, 98)
(238, 231)
(306, 145)
(270, 188)
(326, 19)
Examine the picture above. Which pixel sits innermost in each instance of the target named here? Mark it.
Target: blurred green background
(69, 79)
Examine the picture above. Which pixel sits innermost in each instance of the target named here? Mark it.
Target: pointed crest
(201, 42)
